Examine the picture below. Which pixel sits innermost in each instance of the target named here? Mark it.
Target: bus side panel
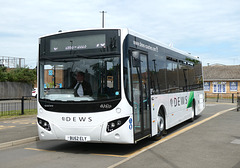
(178, 107)
(200, 102)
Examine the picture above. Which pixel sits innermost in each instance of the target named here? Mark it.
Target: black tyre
(160, 125)
(193, 112)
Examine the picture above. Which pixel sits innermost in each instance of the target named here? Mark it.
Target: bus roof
(134, 33)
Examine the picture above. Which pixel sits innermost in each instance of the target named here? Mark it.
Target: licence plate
(77, 138)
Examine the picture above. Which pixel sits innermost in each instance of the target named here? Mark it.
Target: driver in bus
(82, 87)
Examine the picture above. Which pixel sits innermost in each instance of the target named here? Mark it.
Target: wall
(14, 90)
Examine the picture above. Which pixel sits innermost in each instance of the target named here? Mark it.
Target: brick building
(221, 78)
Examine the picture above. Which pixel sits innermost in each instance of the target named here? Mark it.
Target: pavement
(16, 131)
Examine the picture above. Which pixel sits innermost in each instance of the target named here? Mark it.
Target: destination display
(78, 43)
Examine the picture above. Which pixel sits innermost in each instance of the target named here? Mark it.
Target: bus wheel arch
(161, 123)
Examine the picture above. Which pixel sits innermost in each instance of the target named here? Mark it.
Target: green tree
(3, 74)
(24, 75)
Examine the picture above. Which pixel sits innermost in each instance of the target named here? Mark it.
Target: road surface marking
(110, 155)
(168, 137)
(5, 127)
(42, 150)
(22, 122)
(236, 141)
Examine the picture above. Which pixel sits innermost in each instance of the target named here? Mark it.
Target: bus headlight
(115, 124)
(44, 124)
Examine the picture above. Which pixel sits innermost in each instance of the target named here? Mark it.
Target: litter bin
(238, 101)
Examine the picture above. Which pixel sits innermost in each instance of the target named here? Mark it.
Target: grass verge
(17, 113)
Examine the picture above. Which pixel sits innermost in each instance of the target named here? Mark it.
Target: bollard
(22, 109)
(232, 98)
(238, 101)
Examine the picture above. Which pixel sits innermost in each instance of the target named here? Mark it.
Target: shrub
(3, 74)
(24, 75)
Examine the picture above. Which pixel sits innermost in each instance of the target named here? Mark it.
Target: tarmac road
(212, 140)
(214, 143)
(17, 129)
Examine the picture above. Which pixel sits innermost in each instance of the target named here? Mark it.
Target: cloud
(195, 26)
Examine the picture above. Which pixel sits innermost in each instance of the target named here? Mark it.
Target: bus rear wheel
(160, 125)
(193, 112)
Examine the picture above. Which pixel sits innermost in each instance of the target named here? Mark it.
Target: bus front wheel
(160, 125)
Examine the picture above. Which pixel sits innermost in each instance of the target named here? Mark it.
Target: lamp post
(103, 17)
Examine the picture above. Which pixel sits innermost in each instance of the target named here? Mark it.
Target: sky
(209, 29)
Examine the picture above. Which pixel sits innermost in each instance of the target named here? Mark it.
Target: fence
(221, 97)
(27, 105)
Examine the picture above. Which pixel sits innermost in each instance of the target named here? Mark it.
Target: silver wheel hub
(160, 123)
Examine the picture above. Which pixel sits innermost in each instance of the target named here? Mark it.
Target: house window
(233, 86)
(219, 87)
(206, 86)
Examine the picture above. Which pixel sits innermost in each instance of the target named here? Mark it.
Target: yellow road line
(168, 137)
(42, 150)
(110, 155)
(24, 122)
(5, 127)
(179, 132)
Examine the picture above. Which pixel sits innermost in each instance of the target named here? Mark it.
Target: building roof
(218, 72)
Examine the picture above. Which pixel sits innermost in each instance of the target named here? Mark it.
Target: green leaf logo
(190, 100)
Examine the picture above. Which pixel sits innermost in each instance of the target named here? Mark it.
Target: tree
(24, 75)
(3, 74)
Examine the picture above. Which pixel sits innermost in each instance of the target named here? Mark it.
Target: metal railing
(26, 105)
(238, 101)
(221, 97)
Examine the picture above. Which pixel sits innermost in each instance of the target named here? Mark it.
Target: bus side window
(172, 76)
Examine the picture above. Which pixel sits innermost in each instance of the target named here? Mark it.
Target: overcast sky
(209, 29)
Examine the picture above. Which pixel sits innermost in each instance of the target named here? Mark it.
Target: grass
(17, 113)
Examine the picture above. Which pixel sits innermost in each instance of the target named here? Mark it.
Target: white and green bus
(139, 87)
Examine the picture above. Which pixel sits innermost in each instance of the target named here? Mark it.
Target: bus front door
(140, 90)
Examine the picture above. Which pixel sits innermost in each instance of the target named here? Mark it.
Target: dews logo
(182, 100)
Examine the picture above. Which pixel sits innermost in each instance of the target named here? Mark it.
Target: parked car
(34, 92)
